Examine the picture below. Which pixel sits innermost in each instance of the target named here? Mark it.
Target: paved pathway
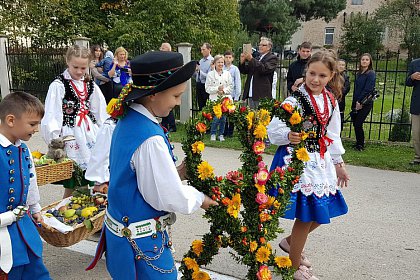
(378, 239)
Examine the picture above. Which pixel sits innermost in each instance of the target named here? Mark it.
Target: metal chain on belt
(147, 259)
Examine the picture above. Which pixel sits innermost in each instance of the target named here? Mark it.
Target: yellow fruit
(76, 206)
(88, 211)
(69, 213)
(36, 154)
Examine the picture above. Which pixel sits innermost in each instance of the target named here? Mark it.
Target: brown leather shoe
(284, 245)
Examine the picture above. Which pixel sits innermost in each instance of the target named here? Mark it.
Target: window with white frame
(357, 2)
(329, 36)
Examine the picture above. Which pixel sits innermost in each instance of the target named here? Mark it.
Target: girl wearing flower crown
(74, 106)
(316, 197)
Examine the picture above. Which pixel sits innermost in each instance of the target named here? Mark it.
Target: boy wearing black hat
(144, 187)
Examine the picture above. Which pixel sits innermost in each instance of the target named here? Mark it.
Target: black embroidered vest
(311, 124)
(71, 103)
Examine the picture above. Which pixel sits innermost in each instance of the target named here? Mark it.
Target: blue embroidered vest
(15, 164)
(124, 198)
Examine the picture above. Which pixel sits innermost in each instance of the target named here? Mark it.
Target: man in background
(297, 68)
(203, 68)
(413, 80)
(260, 73)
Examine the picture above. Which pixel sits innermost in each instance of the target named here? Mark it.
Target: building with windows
(327, 34)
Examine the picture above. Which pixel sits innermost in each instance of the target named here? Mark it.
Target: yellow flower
(217, 110)
(302, 154)
(276, 204)
(263, 254)
(260, 188)
(36, 154)
(234, 205)
(197, 147)
(303, 135)
(191, 264)
(250, 119)
(205, 170)
(111, 106)
(264, 117)
(283, 262)
(200, 275)
(264, 273)
(260, 131)
(253, 246)
(270, 201)
(197, 246)
(295, 118)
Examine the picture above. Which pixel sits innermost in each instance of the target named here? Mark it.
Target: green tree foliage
(400, 131)
(361, 34)
(279, 19)
(132, 24)
(402, 17)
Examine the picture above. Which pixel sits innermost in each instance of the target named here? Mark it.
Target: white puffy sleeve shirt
(161, 187)
(278, 131)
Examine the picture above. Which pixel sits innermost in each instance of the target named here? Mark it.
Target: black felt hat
(156, 71)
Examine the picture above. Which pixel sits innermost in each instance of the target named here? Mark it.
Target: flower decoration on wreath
(251, 199)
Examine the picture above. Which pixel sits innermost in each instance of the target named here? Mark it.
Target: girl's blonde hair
(329, 60)
(77, 51)
(121, 49)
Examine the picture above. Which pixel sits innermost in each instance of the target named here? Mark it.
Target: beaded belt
(139, 229)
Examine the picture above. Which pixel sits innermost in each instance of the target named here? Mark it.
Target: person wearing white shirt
(74, 106)
(218, 84)
(144, 186)
(237, 87)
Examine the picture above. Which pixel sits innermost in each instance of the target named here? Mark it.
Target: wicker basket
(80, 232)
(52, 173)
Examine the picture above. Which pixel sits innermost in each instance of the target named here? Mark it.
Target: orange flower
(264, 273)
(197, 147)
(191, 264)
(295, 118)
(234, 205)
(287, 107)
(258, 147)
(253, 246)
(200, 275)
(264, 217)
(201, 127)
(197, 247)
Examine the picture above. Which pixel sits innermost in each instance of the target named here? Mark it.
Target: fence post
(186, 101)
(4, 68)
(81, 41)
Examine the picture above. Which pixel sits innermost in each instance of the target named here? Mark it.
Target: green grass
(380, 155)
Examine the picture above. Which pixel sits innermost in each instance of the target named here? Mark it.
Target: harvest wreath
(251, 199)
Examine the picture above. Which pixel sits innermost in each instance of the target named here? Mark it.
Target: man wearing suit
(413, 80)
(260, 73)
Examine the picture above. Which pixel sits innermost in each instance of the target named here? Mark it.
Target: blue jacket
(15, 163)
(364, 84)
(415, 97)
(125, 200)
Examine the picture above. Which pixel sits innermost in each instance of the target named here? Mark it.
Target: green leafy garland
(251, 199)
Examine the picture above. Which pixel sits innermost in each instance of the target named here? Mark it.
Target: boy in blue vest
(20, 244)
(145, 188)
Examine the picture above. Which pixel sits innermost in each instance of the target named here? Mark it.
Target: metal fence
(34, 69)
(389, 119)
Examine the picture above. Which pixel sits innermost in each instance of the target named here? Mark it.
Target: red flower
(243, 109)
(208, 116)
(201, 127)
(235, 177)
(258, 147)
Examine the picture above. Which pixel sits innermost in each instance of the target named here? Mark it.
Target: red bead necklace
(321, 116)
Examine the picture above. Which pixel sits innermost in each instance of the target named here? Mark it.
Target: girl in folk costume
(144, 185)
(74, 106)
(316, 197)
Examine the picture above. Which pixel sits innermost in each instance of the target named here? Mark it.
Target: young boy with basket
(144, 185)
(20, 244)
